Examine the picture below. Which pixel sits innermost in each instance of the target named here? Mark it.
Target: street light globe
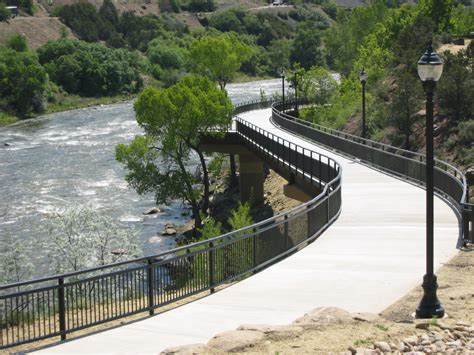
(363, 76)
(430, 66)
(282, 72)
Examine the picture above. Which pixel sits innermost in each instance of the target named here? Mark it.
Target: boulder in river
(169, 231)
(153, 210)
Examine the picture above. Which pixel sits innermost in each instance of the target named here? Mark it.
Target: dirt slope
(38, 30)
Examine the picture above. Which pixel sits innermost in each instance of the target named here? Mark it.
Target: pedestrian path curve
(369, 258)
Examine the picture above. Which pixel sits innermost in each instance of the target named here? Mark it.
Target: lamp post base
(429, 306)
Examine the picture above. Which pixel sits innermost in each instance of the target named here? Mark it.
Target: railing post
(287, 240)
(212, 280)
(327, 205)
(308, 232)
(62, 308)
(254, 242)
(151, 287)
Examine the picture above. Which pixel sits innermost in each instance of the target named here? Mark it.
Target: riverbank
(67, 103)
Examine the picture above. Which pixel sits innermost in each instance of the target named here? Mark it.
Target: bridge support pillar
(295, 192)
(251, 178)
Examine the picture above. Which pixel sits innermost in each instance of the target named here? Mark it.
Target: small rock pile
(443, 339)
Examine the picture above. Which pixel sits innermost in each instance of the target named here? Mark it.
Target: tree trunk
(205, 199)
(233, 171)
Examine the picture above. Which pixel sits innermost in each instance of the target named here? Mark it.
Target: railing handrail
(276, 106)
(192, 245)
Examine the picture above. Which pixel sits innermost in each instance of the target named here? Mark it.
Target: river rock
(325, 315)
(191, 349)
(422, 325)
(383, 346)
(412, 340)
(153, 210)
(169, 231)
(235, 340)
(155, 239)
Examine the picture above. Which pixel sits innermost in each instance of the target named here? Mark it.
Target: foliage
(210, 229)
(4, 12)
(173, 120)
(241, 217)
(90, 69)
(83, 19)
(15, 259)
(306, 49)
(167, 53)
(455, 90)
(318, 84)
(80, 238)
(440, 12)
(139, 31)
(343, 39)
(23, 82)
(201, 5)
(17, 42)
(406, 101)
(218, 57)
(462, 20)
(279, 55)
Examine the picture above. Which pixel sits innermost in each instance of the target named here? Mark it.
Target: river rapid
(67, 159)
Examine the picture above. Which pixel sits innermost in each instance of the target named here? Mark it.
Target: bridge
(358, 245)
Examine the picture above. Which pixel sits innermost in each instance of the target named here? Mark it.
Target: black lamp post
(430, 68)
(282, 73)
(363, 79)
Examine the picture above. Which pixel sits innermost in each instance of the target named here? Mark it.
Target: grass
(6, 119)
(71, 102)
(66, 103)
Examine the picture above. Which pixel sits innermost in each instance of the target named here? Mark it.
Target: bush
(17, 42)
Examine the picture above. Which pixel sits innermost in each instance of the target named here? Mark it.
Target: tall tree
(406, 101)
(173, 121)
(306, 48)
(455, 91)
(218, 57)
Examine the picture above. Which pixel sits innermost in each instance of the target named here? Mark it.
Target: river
(67, 160)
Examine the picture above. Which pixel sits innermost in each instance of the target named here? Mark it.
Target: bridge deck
(372, 255)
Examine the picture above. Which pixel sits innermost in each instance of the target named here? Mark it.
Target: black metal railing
(62, 304)
(449, 182)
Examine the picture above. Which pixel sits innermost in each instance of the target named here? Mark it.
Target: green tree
(412, 41)
(406, 101)
(462, 20)
(455, 90)
(17, 42)
(166, 53)
(23, 82)
(91, 69)
(108, 12)
(306, 48)
(83, 19)
(318, 84)
(4, 12)
(279, 55)
(440, 12)
(173, 121)
(218, 57)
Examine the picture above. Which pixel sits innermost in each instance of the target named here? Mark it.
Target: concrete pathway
(369, 258)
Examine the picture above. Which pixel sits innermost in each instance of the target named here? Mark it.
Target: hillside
(38, 30)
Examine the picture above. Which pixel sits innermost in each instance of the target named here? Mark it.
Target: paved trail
(370, 257)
